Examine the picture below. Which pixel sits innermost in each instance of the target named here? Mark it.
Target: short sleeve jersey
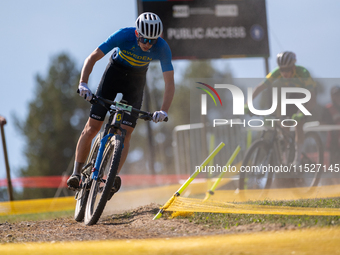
(301, 78)
(127, 52)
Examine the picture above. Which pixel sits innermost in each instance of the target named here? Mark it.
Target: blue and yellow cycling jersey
(127, 52)
(301, 78)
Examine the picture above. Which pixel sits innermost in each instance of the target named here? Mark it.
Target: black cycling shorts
(119, 79)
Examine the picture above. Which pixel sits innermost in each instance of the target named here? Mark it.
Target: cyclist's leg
(90, 130)
(299, 137)
(131, 85)
(294, 113)
(129, 124)
(125, 151)
(133, 94)
(93, 125)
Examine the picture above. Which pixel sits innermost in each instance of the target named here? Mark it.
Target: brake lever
(146, 117)
(94, 99)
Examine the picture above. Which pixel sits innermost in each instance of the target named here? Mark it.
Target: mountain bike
(98, 177)
(276, 148)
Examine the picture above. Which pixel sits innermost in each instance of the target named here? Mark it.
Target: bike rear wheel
(82, 194)
(312, 155)
(258, 155)
(101, 188)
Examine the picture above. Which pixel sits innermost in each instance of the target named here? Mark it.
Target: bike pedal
(72, 188)
(88, 186)
(113, 191)
(116, 187)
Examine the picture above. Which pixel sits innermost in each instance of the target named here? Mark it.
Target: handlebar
(121, 106)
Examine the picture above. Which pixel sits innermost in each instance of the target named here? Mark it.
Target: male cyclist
(290, 75)
(331, 116)
(133, 49)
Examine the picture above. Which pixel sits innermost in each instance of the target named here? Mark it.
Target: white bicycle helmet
(149, 25)
(286, 59)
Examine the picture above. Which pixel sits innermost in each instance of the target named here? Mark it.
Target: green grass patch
(36, 216)
(315, 203)
(222, 220)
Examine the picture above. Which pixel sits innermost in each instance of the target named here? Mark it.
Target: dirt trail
(134, 224)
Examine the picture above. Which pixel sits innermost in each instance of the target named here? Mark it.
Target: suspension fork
(103, 141)
(110, 130)
(272, 149)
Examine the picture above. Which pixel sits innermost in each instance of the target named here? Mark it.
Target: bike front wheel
(101, 188)
(311, 160)
(82, 194)
(258, 155)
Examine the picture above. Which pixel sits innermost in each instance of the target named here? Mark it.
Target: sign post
(9, 183)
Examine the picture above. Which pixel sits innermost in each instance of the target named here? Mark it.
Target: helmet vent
(159, 30)
(156, 29)
(143, 27)
(146, 29)
(152, 30)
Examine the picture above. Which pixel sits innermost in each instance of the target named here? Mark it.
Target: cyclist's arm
(169, 90)
(270, 78)
(90, 61)
(259, 89)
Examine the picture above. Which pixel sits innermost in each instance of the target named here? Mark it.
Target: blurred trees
(56, 117)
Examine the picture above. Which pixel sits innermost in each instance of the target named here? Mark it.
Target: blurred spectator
(331, 116)
(2, 121)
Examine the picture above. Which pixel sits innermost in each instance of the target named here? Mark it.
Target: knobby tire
(94, 211)
(319, 159)
(83, 193)
(254, 148)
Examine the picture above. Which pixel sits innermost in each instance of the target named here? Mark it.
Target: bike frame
(275, 141)
(111, 128)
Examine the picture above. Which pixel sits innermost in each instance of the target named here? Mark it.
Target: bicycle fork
(95, 170)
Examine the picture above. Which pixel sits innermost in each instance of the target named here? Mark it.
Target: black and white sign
(200, 29)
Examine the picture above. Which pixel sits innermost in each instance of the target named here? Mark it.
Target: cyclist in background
(331, 116)
(133, 49)
(290, 75)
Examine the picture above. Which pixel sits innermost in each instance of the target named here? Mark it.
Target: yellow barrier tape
(182, 214)
(37, 206)
(304, 241)
(277, 194)
(167, 204)
(130, 199)
(124, 200)
(197, 205)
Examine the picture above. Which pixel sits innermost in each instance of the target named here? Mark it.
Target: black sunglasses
(145, 40)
